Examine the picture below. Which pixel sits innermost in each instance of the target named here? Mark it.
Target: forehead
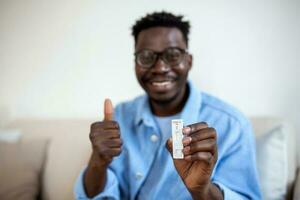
(160, 38)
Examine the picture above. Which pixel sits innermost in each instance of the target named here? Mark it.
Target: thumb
(108, 110)
(169, 145)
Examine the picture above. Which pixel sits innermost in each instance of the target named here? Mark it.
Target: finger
(203, 134)
(100, 134)
(112, 134)
(106, 125)
(113, 143)
(169, 145)
(205, 157)
(194, 127)
(108, 110)
(112, 151)
(208, 145)
(186, 141)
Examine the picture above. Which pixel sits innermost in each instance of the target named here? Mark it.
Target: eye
(173, 55)
(146, 57)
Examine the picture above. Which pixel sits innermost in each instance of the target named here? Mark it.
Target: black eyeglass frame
(160, 55)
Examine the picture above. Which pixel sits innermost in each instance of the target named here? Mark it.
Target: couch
(59, 150)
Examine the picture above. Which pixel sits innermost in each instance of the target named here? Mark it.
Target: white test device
(177, 136)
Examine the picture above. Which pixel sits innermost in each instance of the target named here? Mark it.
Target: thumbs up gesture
(105, 136)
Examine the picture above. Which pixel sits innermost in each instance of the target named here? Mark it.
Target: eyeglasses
(171, 56)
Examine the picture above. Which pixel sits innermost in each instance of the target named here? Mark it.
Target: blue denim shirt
(144, 157)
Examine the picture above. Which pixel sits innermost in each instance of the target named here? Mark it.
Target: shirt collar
(189, 114)
(144, 113)
(192, 107)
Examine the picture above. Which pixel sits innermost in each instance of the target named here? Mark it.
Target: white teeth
(161, 84)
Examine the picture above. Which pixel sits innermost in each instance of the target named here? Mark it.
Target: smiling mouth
(161, 83)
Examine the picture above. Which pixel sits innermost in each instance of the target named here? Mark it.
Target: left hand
(200, 156)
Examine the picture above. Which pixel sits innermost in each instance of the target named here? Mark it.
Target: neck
(172, 106)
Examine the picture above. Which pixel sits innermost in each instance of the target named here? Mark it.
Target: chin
(162, 98)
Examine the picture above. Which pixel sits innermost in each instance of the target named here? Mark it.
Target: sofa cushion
(67, 155)
(20, 166)
(68, 152)
(272, 163)
(10, 135)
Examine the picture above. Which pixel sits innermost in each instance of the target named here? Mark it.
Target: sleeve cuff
(228, 194)
(111, 189)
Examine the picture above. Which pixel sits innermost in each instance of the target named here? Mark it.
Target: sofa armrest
(297, 186)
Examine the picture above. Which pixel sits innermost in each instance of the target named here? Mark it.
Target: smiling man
(132, 146)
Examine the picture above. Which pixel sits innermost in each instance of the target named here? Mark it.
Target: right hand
(105, 136)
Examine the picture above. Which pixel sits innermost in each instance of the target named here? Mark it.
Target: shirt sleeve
(228, 194)
(110, 192)
(236, 173)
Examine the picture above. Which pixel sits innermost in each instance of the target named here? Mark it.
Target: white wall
(62, 58)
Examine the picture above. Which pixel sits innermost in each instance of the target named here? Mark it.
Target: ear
(189, 61)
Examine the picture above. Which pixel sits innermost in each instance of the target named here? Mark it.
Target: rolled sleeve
(111, 189)
(228, 194)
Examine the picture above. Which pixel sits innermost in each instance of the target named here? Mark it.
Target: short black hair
(164, 19)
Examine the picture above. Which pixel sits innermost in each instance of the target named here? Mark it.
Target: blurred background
(60, 59)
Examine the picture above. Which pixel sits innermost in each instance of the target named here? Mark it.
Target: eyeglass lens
(171, 56)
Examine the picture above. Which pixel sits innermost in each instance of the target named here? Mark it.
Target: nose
(160, 66)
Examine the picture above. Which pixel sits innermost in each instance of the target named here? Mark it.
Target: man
(132, 146)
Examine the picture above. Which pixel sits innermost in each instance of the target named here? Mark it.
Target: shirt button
(153, 138)
(138, 175)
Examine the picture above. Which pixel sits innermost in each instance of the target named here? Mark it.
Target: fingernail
(186, 130)
(186, 149)
(188, 158)
(186, 140)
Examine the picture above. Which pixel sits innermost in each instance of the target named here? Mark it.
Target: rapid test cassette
(177, 136)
